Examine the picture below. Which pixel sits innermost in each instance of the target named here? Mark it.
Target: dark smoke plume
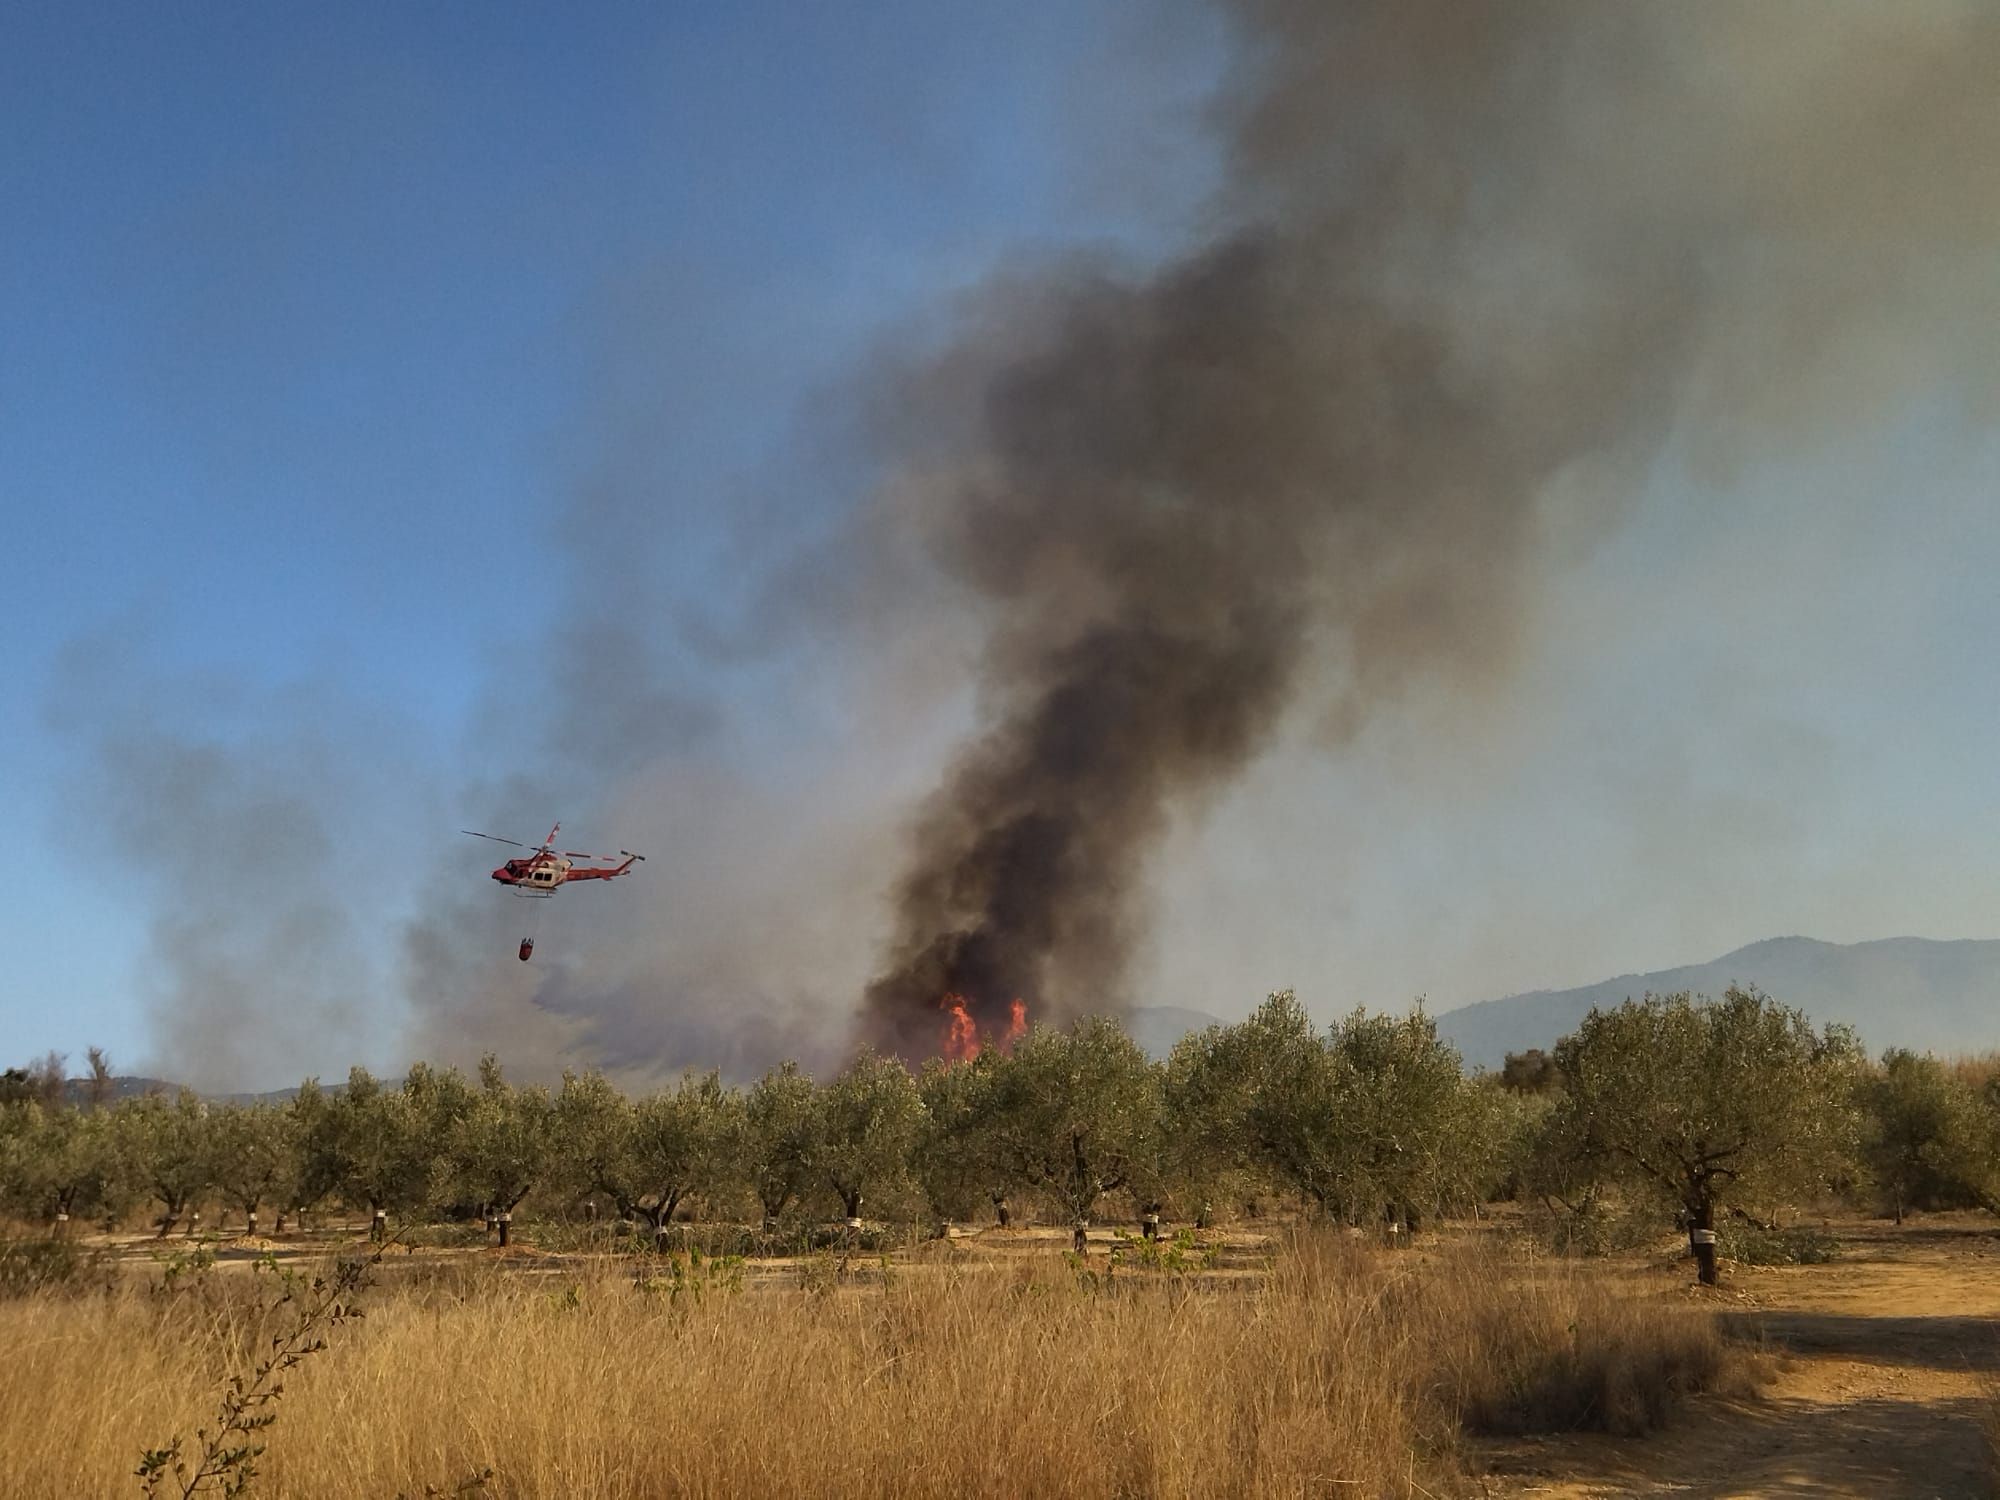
(1470, 269)
(1471, 264)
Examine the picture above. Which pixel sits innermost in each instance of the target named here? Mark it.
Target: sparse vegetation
(1347, 1364)
(881, 1361)
(1663, 1111)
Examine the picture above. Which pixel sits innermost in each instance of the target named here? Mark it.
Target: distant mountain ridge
(137, 1086)
(1927, 994)
(1931, 995)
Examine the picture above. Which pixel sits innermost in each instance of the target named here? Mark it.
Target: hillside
(1920, 993)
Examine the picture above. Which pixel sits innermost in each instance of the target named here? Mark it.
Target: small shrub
(182, 1269)
(1178, 1256)
(1598, 1226)
(688, 1280)
(29, 1266)
(1753, 1245)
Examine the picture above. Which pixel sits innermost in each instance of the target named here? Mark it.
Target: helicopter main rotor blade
(495, 837)
(573, 854)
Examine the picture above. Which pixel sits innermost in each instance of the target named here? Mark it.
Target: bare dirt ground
(1883, 1363)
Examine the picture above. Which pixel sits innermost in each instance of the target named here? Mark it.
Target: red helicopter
(545, 870)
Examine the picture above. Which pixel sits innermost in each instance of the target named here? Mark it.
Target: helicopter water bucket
(527, 949)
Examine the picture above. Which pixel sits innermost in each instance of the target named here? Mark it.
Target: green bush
(1599, 1226)
(1752, 1245)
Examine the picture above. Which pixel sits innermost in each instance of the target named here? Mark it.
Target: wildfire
(961, 1035)
(961, 1041)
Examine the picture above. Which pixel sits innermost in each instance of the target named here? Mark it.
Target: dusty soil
(1882, 1365)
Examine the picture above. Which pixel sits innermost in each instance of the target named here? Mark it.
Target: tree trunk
(506, 1224)
(1701, 1239)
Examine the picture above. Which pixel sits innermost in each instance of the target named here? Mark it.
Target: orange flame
(961, 1041)
(961, 1034)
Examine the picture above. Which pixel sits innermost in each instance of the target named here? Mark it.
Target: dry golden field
(1882, 1369)
(1333, 1369)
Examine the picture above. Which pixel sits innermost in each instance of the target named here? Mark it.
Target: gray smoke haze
(1469, 270)
(243, 824)
(1471, 266)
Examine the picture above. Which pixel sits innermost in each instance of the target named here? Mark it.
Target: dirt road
(1883, 1365)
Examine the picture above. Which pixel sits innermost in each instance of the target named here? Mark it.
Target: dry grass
(1989, 1431)
(1347, 1373)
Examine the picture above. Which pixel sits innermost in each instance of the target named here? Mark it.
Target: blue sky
(346, 351)
(318, 325)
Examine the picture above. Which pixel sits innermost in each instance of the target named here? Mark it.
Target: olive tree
(168, 1148)
(1916, 1118)
(315, 1128)
(254, 1155)
(379, 1141)
(870, 1116)
(779, 1140)
(955, 1156)
(1413, 1130)
(1366, 1117)
(1708, 1103)
(1076, 1113)
(501, 1144)
(1206, 1095)
(57, 1164)
(1967, 1151)
(1266, 1094)
(1499, 1128)
(646, 1156)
